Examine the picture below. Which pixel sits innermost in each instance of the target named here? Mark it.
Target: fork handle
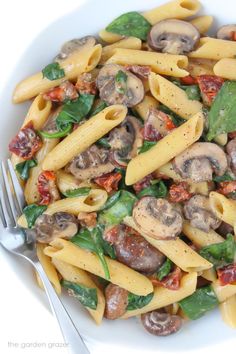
(68, 329)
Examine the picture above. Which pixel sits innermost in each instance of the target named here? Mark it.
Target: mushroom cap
(92, 163)
(199, 161)
(107, 85)
(50, 125)
(157, 218)
(116, 301)
(160, 323)
(173, 36)
(49, 227)
(225, 32)
(75, 44)
(231, 151)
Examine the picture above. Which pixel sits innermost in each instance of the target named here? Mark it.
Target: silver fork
(21, 242)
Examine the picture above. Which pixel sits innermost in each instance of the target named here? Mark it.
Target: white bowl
(206, 334)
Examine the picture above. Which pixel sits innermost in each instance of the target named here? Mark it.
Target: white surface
(24, 321)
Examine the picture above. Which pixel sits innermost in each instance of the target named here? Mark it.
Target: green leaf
(53, 71)
(177, 120)
(147, 145)
(220, 254)
(137, 302)
(130, 24)
(193, 92)
(111, 200)
(158, 190)
(86, 296)
(32, 212)
(223, 111)
(119, 210)
(165, 269)
(78, 192)
(103, 142)
(74, 111)
(64, 131)
(23, 168)
(98, 108)
(121, 82)
(196, 305)
(225, 178)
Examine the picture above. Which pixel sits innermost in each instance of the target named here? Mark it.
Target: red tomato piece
(26, 143)
(232, 135)
(171, 281)
(142, 71)
(179, 192)
(66, 91)
(209, 86)
(109, 181)
(188, 80)
(47, 187)
(86, 84)
(227, 274)
(233, 36)
(143, 183)
(157, 125)
(226, 188)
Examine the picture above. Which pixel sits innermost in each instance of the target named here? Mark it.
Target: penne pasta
(143, 107)
(202, 23)
(200, 238)
(120, 274)
(223, 292)
(109, 37)
(79, 276)
(212, 48)
(197, 67)
(224, 208)
(78, 62)
(173, 96)
(84, 136)
(226, 68)
(38, 112)
(228, 311)
(165, 150)
(129, 43)
(164, 297)
(161, 63)
(209, 274)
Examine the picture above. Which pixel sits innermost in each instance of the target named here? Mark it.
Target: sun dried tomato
(142, 71)
(109, 181)
(47, 188)
(171, 281)
(226, 188)
(179, 192)
(87, 219)
(209, 86)
(233, 36)
(188, 80)
(66, 91)
(227, 274)
(232, 135)
(157, 125)
(26, 143)
(143, 183)
(86, 84)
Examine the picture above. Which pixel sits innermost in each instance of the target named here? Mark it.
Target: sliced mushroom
(226, 32)
(125, 140)
(199, 161)
(69, 47)
(160, 323)
(156, 125)
(173, 36)
(50, 125)
(116, 301)
(130, 94)
(93, 162)
(158, 218)
(231, 151)
(224, 229)
(200, 214)
(49, 227)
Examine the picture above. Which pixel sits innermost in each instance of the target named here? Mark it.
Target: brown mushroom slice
(93, 162)
(173, 37)
(49, 227)
(226, 32)
(160, 323)
(231, 151)
(198, 211)
(199, 161)
(116, 301)
(75, 44)
(158, 218)
(132, 91)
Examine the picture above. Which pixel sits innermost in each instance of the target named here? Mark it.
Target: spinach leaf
(53, 71)
(158, 190)
(111, 200)
(225, 178)
(103, 142)
(78, 192)
(192, 91)
(137, 302)
(220, 254)
(92, 240)
(223, 111)
(130, 24)
(64, 131)
(23, 168)
(86, 296)
(121, 82)
(120, 209)
(32, 212)
(98, 108)
(177, 120)
(196, 305)
(165, 269)
(147, 145)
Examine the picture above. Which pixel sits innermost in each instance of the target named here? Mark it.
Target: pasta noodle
(120, 274)
(197, 67)
(228, 311)
(129, 42)
(212, 48)
(109, 37)
(143, 107)
(39, 112)
(224, 208)
(223, 292)
(202, 23)
(165, 149)
(84, 136)
(226, 68)
(200, 238)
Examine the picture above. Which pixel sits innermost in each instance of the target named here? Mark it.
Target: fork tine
(17, 187)
(5, 206)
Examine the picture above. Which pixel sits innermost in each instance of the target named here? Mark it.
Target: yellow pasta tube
(176, 250)
(226, 68)
(120, 274)
(143, 107)
(212, 48)
(197, 67)
(200, 238)
(77, 62)
(79, 276)
(173, 96)
(199, 188)
(224, 208)
(39, 112)
(109, 37)
(228, 311)
(48, 267)
(161, 63)
(165, 149)
(84, 136)
(209, 274)
(129, 43)
(164, 297)
(66, 181)
(223, 292)
(202, 23)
